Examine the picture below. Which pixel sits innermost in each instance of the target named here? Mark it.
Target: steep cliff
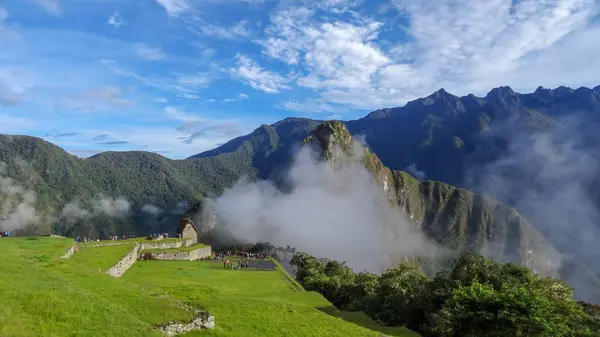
(455, 218)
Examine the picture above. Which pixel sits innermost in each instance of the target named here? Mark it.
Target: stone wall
(165, 256)
(161, 245)
(121, 267)
(189, 242)
(200, 253)
(70, 252)
(193, 255)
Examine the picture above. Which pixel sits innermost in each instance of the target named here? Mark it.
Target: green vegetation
(247, 302)
(101, 258)
(45, 295)
(286, 276)
(475, 297)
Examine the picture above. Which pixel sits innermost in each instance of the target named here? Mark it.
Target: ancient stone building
(187, 229)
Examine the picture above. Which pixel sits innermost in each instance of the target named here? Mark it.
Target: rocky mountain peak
(330, 140)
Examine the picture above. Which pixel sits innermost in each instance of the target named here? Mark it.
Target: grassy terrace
(44, 295)
(101, 258)
(180, 249)
(128, 241)
(252, 302)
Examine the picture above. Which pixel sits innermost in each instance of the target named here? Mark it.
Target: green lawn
(100, 259)
(249, 302)
(44, 295)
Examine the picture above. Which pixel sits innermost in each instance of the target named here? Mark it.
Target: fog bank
(337, 212)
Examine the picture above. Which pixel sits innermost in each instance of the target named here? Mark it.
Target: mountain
(502, 145)
(57, 178)
(454, 218)
(537, 152)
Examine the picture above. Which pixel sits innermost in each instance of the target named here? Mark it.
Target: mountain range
(537, 153)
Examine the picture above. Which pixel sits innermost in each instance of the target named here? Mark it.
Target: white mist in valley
(337, 212)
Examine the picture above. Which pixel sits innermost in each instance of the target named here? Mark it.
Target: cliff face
(455, 218)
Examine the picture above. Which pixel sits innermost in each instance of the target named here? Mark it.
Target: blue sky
(179, 77)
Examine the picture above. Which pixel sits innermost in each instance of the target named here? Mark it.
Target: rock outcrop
(455, 218)
(204, 320)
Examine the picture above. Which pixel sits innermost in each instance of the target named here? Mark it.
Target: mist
(334, 211)
(551, 177)
(17, 205)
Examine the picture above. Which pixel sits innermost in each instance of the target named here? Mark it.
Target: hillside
(456, 218)
(140, 178)
(536, 152)
(486, 145)
(75, 296)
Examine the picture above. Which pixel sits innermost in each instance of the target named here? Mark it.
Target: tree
(480, 309)
(400, 293)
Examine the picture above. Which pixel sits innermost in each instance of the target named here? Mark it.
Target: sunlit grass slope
(251, 302)
(44, 295)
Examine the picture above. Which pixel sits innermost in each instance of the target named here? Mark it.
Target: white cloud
(148, 52)
(174, 7)
(10, 124)
(116, 20)
(105, 98)
(51, 6)
(308, 106)
(160, 100)
(182, 85)
(257, 77)
(238, 29)
(463, 46)
(14, 83)
(188, 96)
(5, 32)
(194, 127)
(240, 97)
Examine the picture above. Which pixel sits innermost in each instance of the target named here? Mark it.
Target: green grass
(44, 295)
(127, 241)
(180, 249)
(248, 302)
(287, 277)
(101, 258)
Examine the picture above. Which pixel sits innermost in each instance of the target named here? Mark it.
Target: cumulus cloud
(467, 46)
(257, 77)
(340, 213)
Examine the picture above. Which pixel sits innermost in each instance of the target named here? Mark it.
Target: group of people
(242, 254)
(5, 234)
(235, 264)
